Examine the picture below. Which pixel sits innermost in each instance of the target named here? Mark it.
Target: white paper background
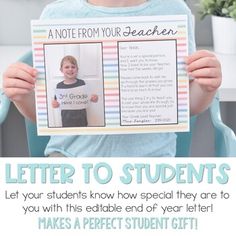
(220, 221)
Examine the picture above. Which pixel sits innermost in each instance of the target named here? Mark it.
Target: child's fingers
(55, 103)
(13, 74)
(210, 84)
(206, 62)
(15, 94)
(204, 67)
(26, 68)
(17, 83)
(197, 55)
(94, 98)
(20, 71)
(206, 73)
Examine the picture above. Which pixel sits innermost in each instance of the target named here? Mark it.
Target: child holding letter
(202, 66)
(72, 117)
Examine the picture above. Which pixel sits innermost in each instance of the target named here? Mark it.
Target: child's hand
(19, 81)
(55, 103)
(94, 98)
(205, 69)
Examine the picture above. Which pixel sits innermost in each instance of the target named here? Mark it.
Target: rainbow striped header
(138, 64)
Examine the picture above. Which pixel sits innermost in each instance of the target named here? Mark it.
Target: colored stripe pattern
(111, 82)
